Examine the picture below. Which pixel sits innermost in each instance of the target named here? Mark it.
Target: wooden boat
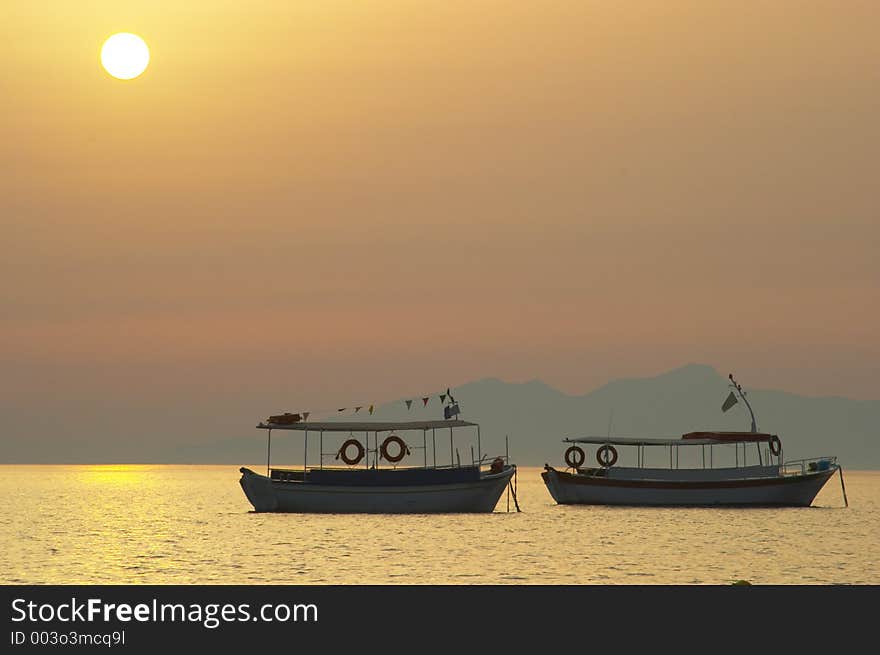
(365, 485)
(765, 481)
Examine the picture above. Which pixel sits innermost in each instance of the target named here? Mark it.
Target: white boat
(765, 481)
(366, 485)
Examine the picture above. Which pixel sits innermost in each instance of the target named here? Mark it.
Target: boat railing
(287, 475)
(810, 465)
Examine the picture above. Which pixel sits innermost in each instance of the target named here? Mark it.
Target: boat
(368, 478)
(766, 480)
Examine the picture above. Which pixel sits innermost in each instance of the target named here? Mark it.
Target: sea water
(157, 524)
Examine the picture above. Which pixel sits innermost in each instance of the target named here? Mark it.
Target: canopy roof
(689, 439)
(365, 426)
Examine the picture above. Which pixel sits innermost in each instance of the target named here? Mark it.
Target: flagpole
(742, 394)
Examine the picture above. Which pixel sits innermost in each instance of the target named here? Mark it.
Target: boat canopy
(689, 439)
(365, 426)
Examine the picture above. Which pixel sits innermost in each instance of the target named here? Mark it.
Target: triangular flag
(357, 409)
(306, 416)
(371, 410)
(341, 409)
(449, 393)
(425, 401)
(729, 402)
(408, 403)
(442, 397)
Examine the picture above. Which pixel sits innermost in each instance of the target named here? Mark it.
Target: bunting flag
(425, 401)
(442, 397)
(371, 410)
(306, 416)
(342, 409)
(357, 409)
(449, 393)
(408, 403)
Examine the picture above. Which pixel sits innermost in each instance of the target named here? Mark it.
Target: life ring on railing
(343, 452)
(575, 456)
(401, 444)
(606, 456)
(775, 445)
(497, 465)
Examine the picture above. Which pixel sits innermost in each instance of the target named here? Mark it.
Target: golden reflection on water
(113, 475)
(192, 524)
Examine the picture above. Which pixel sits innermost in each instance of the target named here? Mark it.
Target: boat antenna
(742, 394)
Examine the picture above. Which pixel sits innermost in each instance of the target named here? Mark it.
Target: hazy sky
(320, 203)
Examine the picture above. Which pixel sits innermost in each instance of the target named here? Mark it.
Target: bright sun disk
(125, 56)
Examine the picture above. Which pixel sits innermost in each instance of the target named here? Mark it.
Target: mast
(742, 394)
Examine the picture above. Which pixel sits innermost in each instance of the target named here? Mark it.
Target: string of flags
(288, 417)
(356, 409)
(408, 402)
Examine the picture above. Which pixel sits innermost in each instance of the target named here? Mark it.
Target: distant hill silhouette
(537, 416)
(534, 415)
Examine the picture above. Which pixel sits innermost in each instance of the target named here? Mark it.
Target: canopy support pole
(451, 450)
(268, 452)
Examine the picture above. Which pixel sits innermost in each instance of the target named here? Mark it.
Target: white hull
(689, 490)
(481, 495)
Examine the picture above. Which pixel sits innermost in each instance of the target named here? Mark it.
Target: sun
(125, 56)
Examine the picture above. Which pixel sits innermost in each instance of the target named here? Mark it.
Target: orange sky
(332, 201)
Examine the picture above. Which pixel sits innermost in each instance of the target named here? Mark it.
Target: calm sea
(192, 524)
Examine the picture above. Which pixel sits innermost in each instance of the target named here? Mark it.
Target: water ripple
(189, 525)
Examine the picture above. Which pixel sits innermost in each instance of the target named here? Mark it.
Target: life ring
(497, 465)
(575, 456)
(775, 445)
(343, 452)
(404, 449)
(606, 456)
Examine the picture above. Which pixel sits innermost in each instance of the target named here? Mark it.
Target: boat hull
(481, 495)
(787, 491)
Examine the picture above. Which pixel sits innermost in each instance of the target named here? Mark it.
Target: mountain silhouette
(534, 415)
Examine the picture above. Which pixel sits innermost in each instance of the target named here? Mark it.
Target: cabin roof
(365, 426)
(729, 436)
(688, 439)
